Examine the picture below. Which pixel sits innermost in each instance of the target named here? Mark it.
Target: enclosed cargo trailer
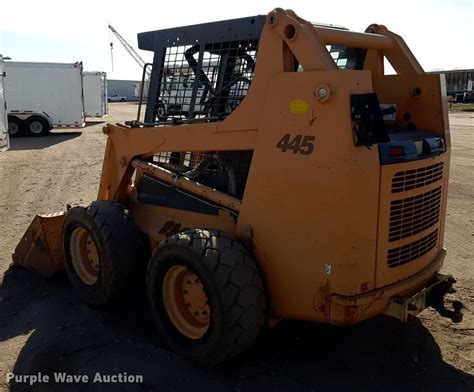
(42, 96)
(95, 94)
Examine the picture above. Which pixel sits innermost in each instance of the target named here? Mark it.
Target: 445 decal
(297, 144)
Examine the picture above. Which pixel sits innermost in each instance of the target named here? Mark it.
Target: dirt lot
(44, 328)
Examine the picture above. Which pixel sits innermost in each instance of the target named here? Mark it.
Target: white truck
(95, 94)
(42, 96)
(4, 141)
(116, 98)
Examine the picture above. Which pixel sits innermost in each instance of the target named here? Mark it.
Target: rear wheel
(15, 126)
(104, 251)
(37, 126)
(206, 296)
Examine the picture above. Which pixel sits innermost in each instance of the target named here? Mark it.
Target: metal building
(122, 87)
(457, 80)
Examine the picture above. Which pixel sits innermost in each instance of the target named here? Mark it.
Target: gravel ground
(44, 328)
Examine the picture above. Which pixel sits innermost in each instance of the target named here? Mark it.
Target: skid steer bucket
(40, 248)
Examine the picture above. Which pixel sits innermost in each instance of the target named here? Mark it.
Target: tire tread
(125, 248)
(239, 280)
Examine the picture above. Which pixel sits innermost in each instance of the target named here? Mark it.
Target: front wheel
(206, 296)
(105, 254)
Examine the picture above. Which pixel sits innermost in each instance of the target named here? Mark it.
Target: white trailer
(42, 96)
(95, 94)
(4, 142)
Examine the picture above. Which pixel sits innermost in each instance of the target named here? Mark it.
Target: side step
(40, 248)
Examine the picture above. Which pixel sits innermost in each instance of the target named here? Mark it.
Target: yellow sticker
(298, 106)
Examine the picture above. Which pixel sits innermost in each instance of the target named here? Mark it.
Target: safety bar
(189, 185)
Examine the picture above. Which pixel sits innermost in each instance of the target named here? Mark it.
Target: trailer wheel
(104, 251)
(37, 126)
(15, 126)
(206, 296)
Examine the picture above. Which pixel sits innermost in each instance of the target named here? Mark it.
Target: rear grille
(414, 214)
(412, 251)
(416, 178)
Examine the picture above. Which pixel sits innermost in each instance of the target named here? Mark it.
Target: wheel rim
(84, 256)
(186, 302)
(13, 128)
(36, 127)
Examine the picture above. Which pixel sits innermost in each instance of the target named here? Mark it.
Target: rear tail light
(396, 151)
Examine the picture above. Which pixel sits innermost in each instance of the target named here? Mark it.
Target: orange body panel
(159, 222)
(299, 201)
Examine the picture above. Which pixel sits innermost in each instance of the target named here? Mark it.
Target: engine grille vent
(417, 178)
(412, 251)
(414, 214)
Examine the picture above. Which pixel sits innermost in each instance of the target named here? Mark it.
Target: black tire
(232, 284)
(121, 247)
(15, 126)
(37, 126)
(122, 99)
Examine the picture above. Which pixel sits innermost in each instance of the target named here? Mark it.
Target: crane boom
(130, 50)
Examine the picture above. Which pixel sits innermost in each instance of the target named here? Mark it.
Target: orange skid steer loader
(278, 174)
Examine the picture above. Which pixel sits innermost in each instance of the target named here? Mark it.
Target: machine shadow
(38, 143)
(67, 336)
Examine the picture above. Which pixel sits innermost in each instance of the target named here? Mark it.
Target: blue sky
(439, 32)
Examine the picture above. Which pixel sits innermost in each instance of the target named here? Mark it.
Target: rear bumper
(432, 295)
(347, 310)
